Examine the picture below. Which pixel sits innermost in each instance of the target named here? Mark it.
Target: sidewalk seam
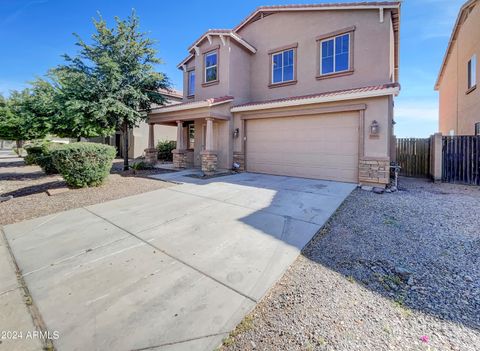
(173, 257)
(32, 308)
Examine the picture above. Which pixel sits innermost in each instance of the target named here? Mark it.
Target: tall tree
(26, 114)
(116, 78)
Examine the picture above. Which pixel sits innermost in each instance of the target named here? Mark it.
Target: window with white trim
(211, 65)
(335, 54)
(283, 69)
(191, 82)
(472, 72)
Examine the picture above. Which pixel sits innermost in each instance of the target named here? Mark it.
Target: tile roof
(306, 7)
(195, 104)
(324, 94)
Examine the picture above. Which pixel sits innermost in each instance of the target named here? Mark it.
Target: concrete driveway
(172, 269)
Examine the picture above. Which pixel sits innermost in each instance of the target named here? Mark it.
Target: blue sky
(35, 33)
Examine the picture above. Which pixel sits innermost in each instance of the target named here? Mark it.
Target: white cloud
(417, 111)
(434, 18)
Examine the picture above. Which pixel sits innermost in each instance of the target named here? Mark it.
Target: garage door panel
(321, 147)
(301, 160)
(314, 146)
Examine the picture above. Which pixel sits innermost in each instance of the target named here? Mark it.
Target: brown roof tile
(325, 94)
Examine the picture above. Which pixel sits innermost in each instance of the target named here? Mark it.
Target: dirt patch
(28, 186)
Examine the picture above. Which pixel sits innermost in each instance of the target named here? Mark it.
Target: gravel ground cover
(396, 271)
(28, 185)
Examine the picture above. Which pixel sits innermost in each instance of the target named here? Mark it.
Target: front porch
(203, 135)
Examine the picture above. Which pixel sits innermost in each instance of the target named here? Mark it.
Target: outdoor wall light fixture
(374, 128)
(236, 133)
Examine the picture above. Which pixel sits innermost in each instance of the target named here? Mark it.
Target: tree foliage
(27, 114)
(111, 82)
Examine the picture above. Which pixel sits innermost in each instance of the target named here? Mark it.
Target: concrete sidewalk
(173, 269)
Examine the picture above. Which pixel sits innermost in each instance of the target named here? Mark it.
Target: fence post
(393, 149)
(436, 157)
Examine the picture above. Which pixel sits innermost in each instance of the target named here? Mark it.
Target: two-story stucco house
(297, 90)
(459, 108)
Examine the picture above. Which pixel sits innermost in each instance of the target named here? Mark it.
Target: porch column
(180, 145)
(151, 152)
(151, 136)
(209, 135)
(209, 156)
(179, 154)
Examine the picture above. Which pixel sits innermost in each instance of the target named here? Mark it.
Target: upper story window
(282, 65)
(472, 74)
(211, 66)
(477, 128)
(191, 82)
(335, 53)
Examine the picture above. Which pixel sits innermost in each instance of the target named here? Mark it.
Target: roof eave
(188, 106)
(452, 39)
(348, 6)
(323, 99)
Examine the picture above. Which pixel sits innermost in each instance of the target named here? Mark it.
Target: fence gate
(413, 156)
(461, 159)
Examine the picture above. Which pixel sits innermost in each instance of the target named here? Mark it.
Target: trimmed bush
(41, 155)
(164, 149)
(84, 164)
(33, 153)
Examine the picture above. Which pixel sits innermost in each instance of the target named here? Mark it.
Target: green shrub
(84, 164)
(164, 150)
(141, 165)
(41, 155)
(45, 160)
(33, 152)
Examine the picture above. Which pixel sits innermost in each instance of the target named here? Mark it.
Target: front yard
(389, 272)
(28, 185)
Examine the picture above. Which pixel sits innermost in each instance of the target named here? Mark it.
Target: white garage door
(323, 146)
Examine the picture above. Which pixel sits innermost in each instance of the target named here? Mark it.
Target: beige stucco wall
(379, 109)
(246, 76)
(370, 54)
(139, 137)
(459, 111)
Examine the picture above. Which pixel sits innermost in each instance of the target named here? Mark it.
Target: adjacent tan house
(296, 90)
(457, 81)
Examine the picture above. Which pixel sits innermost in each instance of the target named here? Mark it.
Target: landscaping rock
(367, 284)
(51, 192)
(378, 190)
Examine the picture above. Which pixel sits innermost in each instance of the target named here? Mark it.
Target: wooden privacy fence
(413, 156)
(461, 159)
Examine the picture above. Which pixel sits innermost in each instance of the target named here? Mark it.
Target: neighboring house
(138, 137)
(457, 81)
(296, 90)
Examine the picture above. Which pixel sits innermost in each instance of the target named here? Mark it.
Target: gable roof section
(263, 11)
(330, 96)
(462, 15)
(221, 33)
(267, 10)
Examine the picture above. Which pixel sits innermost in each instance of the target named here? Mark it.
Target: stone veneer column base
(151, 156)
(374, 171)
(209, 162)
(239, 157)
(179, 158)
